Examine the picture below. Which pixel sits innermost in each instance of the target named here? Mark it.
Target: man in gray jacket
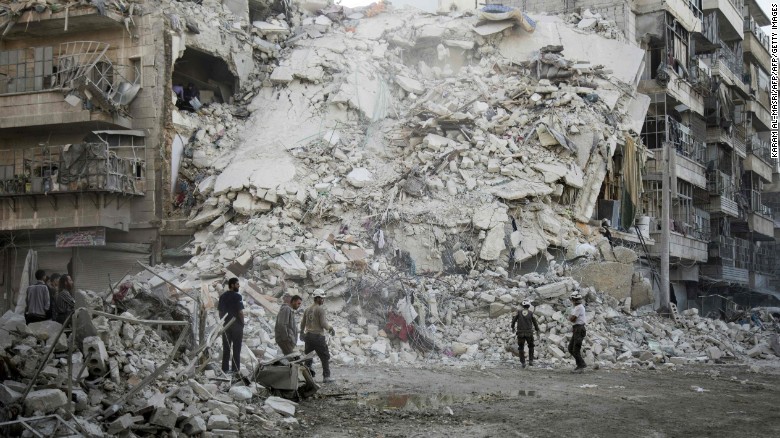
(286, 330)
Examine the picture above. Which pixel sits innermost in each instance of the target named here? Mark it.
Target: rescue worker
(232, 305)
(578, 318)
(313, 326)
(525, 319)
(286, 330)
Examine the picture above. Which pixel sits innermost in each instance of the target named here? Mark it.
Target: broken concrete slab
(281, 406)
(493, 244)
(289, 264)
(359, 177)
(515, 190)
(44, 401)
(410, 85)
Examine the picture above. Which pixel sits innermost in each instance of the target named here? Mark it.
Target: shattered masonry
(428, 171)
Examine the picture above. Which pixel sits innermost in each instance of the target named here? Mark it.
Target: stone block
(218, 422)
(8, 396)
(552, 290)
(499, 309)
(193, 426)
(163, 417)
(281, 406)
(240, 393)
(44, 400)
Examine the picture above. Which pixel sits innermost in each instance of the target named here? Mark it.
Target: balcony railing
(719, 183)
(763, 39)
(80, 67)
(726, 57)
(742, 253)
(695, 223)
(80, 167)
(759, 148)
(722, 247)
(764, 260)
(695, 7)
(658, 129)
(754, 198)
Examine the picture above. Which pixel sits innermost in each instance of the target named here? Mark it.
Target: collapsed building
(428, 171)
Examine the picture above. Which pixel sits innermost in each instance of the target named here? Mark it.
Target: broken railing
(81, 68)
(76, 167)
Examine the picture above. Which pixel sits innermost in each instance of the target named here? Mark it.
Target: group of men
(526, 322)
(50, 298)
(313, 327)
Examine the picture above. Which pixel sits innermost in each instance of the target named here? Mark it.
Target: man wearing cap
(526, 322)
(578, 318)
(313, 326)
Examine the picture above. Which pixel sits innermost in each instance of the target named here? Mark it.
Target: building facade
(706, 72)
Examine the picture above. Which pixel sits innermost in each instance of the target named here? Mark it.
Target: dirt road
(702, 401)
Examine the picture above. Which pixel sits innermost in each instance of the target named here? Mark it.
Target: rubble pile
(117, 385)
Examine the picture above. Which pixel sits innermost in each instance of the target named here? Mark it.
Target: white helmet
(318, 293)
(526, 303)
(576, 295)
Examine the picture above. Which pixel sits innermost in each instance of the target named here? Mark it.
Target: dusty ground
(542, 402)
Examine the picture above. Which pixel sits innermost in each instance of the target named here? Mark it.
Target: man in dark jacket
(232, 305)
(286, 330)
(38, 306)
(64, 304)
(526, 322)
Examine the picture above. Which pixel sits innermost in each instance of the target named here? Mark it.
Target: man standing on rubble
(286, 330)
(526, 322)
(313, 327)
(38, 304)
(232, 305)
(64, 304)
(578, 318)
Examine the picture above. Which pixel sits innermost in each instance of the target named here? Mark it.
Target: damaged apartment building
(706, 71)
(84, 104)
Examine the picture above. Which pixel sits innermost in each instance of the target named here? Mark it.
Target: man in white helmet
(314, 324)
(578, 318)
(525, 319)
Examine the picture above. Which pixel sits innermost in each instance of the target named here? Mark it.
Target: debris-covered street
(695, 401)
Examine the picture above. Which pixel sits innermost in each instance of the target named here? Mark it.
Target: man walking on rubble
(578, 318)
(313, 327)
(526, 322)
(286, 330)
(38, 304)
(232, 305)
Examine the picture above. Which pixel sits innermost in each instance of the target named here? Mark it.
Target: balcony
(76, 82)
(765, 261)
(759, 158)
(687, 163)
(80, 167)
(688, 237)
(757, 222)
(726, 64)
(757, 44)
(761, 119)
(729, 17)
(685, 11)
(723, 264)
(722, 194)
(32, 23)
(732, 139)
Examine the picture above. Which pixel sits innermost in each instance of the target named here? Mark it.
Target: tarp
(632, 184)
